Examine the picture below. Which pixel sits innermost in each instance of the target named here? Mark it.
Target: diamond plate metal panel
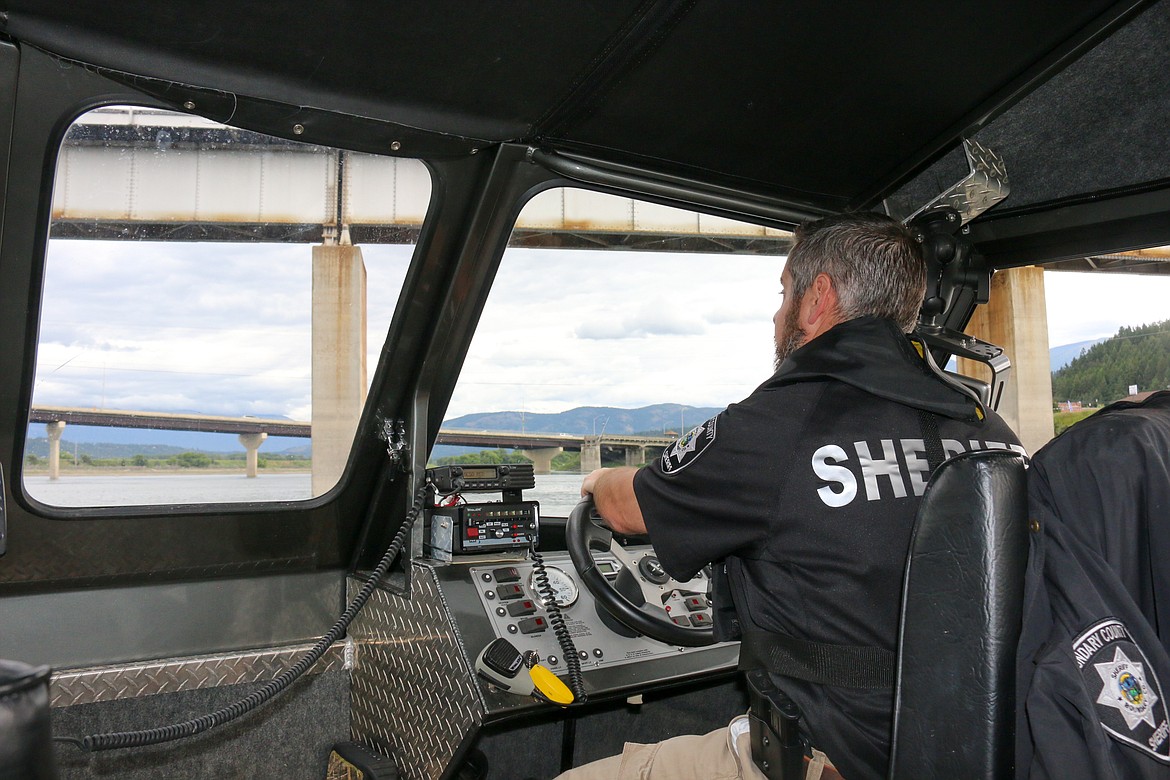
(147, 678)
(413, 693)
(985, 186)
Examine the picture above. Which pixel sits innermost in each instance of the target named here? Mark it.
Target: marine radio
(476, 479)
(462, 528)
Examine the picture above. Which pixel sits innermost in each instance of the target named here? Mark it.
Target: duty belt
(848, 666)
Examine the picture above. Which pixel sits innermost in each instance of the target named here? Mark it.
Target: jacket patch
(687, 450)
(1126, 692)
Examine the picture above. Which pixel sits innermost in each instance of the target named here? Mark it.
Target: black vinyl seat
(954, 711)
(959, 627)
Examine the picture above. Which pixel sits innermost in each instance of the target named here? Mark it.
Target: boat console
(418, 693)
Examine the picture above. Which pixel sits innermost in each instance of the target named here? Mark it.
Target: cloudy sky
(224, 328)
(1087, 306)
(208, 328)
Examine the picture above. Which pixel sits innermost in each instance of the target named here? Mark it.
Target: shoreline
(111, 471)
(107, 471)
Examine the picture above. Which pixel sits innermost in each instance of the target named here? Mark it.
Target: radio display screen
(473, 473)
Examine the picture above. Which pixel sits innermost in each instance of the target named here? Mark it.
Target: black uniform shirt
(808, 488)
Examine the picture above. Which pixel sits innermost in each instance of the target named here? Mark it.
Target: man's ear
(819, 305)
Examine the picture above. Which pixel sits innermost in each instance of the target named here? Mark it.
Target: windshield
(212, 301)
(658, 326)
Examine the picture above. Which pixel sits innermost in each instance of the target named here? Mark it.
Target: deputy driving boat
(279, 283)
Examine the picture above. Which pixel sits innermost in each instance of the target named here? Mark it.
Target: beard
(792, 337)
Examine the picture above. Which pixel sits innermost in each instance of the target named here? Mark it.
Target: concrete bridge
(145, 174)
(252, 431)
(540, 448)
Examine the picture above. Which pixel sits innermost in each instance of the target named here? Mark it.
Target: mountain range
(591, 420)
(1059, 357)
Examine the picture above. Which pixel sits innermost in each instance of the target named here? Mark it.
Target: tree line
(1104, 372)
(564, 461)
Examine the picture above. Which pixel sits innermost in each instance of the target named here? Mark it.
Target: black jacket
(1091, 669)
(1108, 478)
(808, 489)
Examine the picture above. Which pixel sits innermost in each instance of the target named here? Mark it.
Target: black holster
(777, 747)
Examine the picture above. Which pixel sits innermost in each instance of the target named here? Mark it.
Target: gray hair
(874, 261)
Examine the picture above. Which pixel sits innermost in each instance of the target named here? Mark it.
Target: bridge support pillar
(338, 360)
(1016, 319)
(542, 458)
(635, 456)
(54, 430)
(590, 454)
(252, 442)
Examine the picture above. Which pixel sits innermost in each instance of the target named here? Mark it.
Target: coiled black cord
(557, 621)
(125, 739)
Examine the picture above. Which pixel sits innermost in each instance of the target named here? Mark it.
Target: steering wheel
(585, 533)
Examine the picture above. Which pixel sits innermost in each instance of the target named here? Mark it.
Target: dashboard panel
(498, 596)
(514, 605)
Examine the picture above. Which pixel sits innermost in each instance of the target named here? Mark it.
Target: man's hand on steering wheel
(585, 534)
(613, 495)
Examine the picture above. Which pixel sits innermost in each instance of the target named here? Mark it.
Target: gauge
(563, 586)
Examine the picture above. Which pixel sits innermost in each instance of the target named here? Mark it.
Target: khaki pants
(723, 754)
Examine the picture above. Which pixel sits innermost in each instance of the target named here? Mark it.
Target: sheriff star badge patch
(1127, 694)
(687, 450)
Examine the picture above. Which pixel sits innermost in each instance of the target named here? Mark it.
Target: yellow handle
(550, 686)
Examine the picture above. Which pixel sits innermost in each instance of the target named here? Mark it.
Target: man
(807, 490)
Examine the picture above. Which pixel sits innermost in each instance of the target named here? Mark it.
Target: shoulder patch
(687, 450)
(1126, 692)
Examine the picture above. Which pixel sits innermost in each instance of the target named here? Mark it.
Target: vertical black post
(3, 517)
(568, 742)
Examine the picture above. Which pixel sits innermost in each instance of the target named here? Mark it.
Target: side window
(212, 298)
(1109, 337)
(619, 324)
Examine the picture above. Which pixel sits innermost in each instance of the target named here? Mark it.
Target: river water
(557, 493)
